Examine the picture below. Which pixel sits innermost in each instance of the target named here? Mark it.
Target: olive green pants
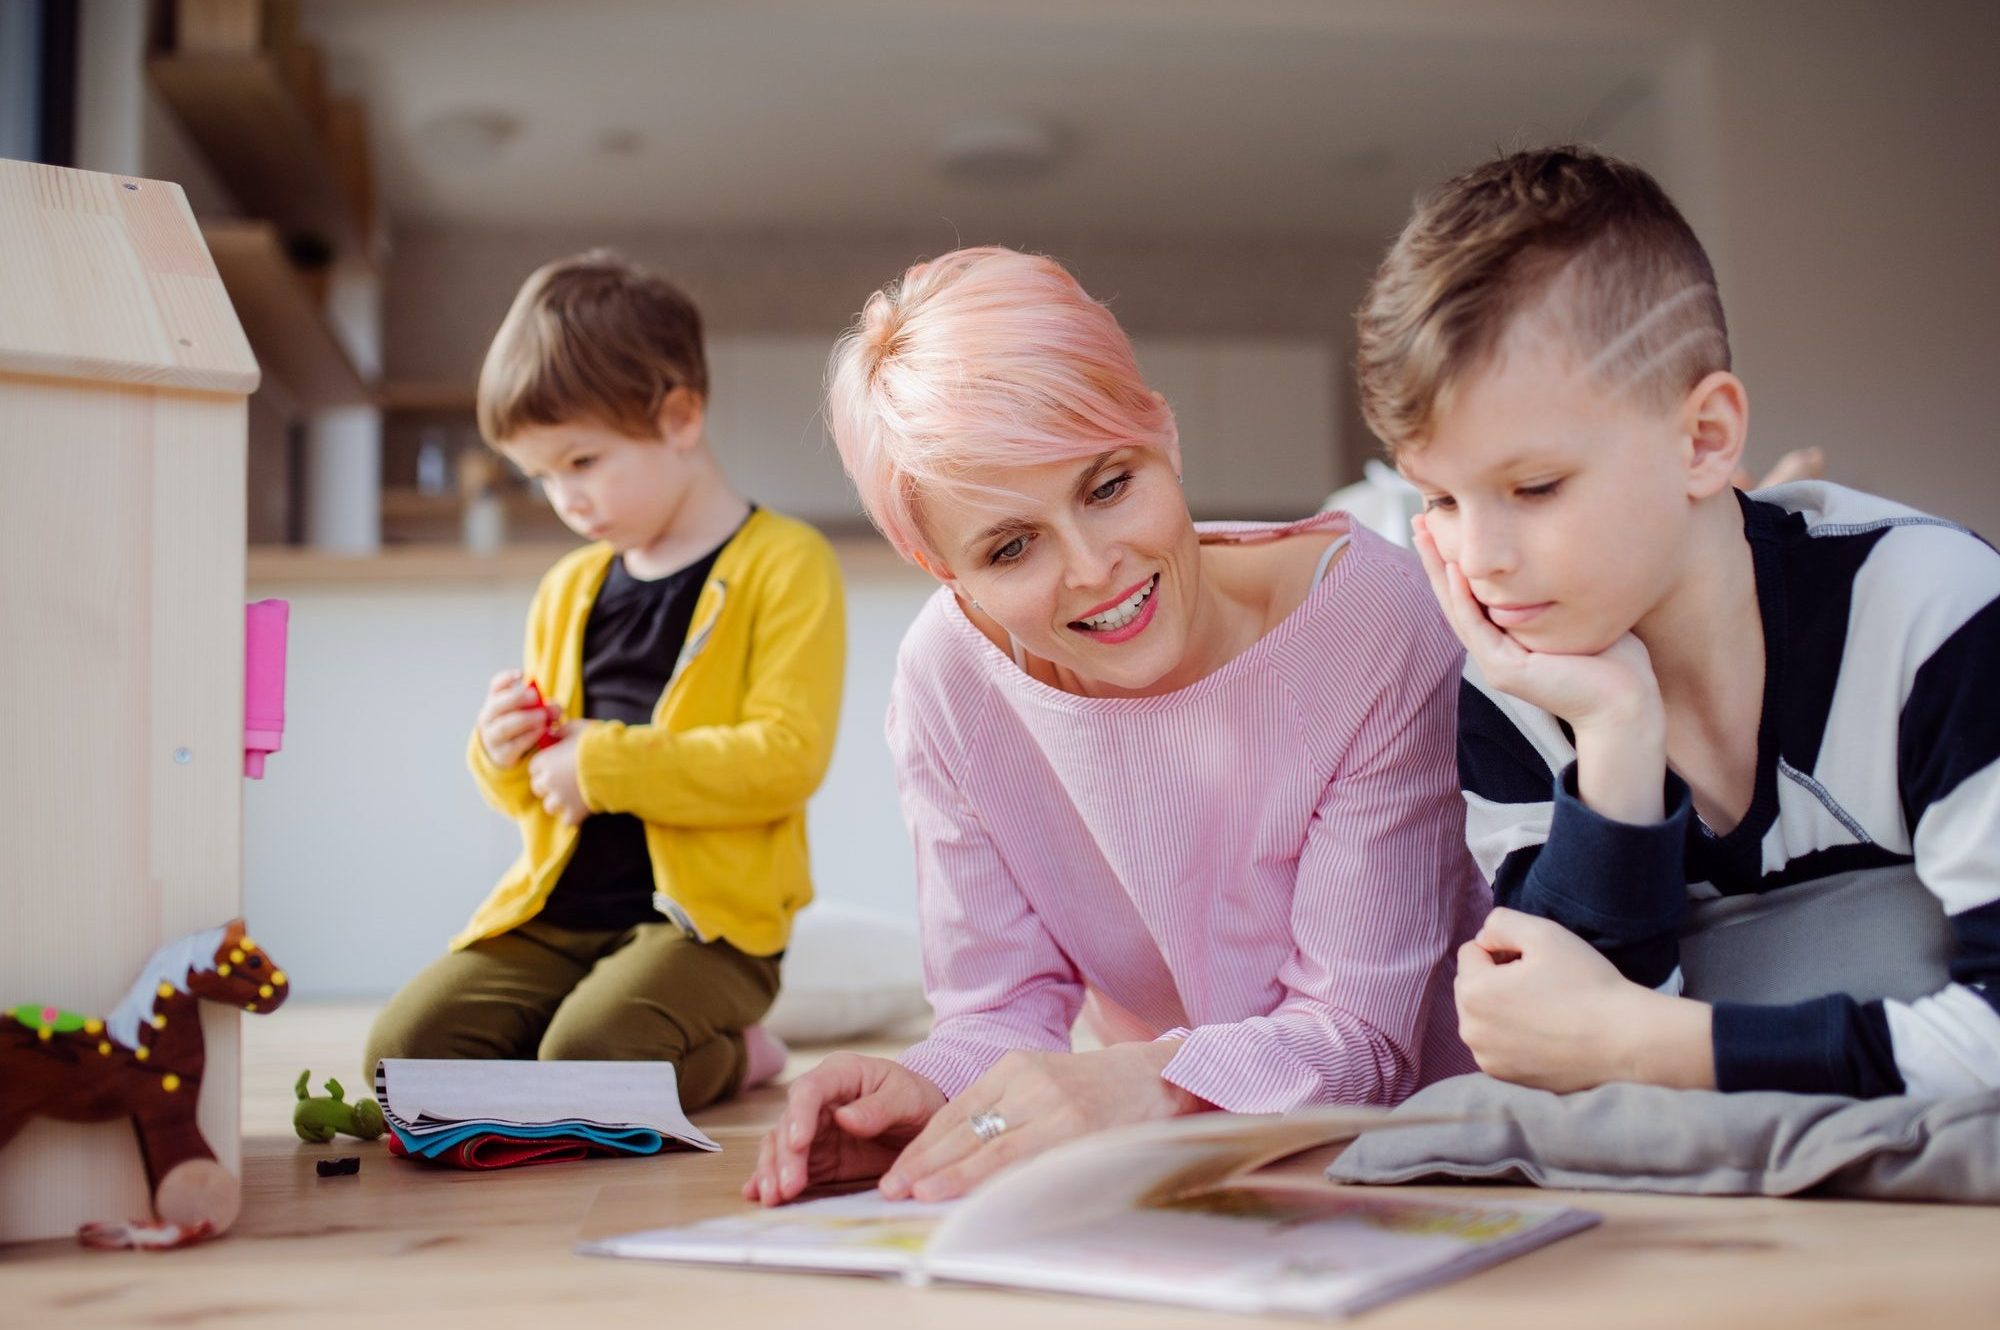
(649, 993)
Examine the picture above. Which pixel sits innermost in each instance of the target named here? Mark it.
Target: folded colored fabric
(486, 1151)
(620, 1140)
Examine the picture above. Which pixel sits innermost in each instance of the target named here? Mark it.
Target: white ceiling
(1254, 116)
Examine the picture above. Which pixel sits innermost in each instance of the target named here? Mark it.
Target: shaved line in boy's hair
(1604, 365)
(1617, 346)
(1588, 246)
(1644, 371)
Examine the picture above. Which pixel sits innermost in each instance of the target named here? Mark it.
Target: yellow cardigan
(741, 737)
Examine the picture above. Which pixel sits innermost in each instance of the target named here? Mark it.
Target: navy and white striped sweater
(1879, 746)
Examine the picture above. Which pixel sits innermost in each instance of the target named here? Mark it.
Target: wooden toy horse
(143, 1061)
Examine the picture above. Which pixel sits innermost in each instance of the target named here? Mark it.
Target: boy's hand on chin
(1615, 686)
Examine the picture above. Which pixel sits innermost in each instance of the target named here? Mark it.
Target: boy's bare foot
(767, 1055)
(1798, 464)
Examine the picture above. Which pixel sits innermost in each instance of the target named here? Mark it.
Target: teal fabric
(634, 1140)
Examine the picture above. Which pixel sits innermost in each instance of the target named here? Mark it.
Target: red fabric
(492, 1150)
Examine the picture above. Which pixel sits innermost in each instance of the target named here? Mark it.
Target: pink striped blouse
(1268, 865)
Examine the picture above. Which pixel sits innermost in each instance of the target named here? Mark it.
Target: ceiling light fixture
(471, 135)
(620, 142)
(1000, 150)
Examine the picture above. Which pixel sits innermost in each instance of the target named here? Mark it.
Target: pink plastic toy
(264, 624)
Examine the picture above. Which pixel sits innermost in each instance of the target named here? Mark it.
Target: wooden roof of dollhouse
(106, 278)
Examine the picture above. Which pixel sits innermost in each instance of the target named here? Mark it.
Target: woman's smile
(1123, 618)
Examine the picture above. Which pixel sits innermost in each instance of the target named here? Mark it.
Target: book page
(1155, 1213)
(858, 1233)
(1109, 1173)
(1299, 1246)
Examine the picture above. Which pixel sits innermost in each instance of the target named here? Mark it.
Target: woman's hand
(846, 1120)
(552, 776)
(1540, 1006)
(1043, 1099)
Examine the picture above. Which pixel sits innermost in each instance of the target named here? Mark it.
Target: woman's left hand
(1043, 1099)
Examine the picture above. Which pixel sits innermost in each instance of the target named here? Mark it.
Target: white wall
(366, 845)
(1841, 161)
(1257, 420)
(449, 286)
(1859, 181)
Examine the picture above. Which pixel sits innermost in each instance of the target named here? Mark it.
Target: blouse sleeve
(997, 981)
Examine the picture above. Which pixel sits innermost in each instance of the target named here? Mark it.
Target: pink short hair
(984, 357)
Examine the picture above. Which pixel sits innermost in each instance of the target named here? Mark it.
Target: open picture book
(1161, 1212)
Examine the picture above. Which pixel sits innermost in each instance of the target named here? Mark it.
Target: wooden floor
(410, 1245)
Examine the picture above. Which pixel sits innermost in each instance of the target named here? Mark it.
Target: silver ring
(987, 1125)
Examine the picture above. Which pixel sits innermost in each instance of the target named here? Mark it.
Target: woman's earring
(1179, 479)
(975, 604)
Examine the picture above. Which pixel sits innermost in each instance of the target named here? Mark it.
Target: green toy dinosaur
(317, 1120)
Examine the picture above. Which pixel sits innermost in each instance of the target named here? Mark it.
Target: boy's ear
(682, 417)
(1715, 423)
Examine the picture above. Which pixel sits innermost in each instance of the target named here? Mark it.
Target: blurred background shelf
(862, 554)
(415, 505)
(419, 563)
(286, 325)
(244, 115)
(442, 395)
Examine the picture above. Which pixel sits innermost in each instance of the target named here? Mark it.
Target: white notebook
(425, 1097)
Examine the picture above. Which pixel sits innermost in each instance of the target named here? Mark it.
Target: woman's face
(1091, 564)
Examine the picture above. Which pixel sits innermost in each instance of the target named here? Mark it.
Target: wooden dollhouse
(123, 378)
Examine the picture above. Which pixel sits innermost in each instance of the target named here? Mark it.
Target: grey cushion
(1645, 1138)
(1872, 933)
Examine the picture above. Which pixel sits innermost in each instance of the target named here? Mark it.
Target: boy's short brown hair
(595, 337)
(1589, 241)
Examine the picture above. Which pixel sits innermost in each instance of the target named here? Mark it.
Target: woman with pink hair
(1195, 782)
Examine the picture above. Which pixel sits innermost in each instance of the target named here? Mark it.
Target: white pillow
(1382, 501)
(848, 972)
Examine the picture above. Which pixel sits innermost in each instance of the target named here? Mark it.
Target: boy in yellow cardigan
(699, 643)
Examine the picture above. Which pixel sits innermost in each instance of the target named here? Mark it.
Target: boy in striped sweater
(1727, 759)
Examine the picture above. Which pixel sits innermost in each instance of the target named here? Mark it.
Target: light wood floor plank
(406, 1244)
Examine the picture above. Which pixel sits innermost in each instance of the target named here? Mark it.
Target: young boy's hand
(511, 720)
(552, 776)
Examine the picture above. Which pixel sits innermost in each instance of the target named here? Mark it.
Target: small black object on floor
(341, 1167)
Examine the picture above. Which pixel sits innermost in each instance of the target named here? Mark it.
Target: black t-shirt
(630, 643)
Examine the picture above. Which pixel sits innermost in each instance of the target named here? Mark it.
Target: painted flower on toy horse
(143, 1061)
